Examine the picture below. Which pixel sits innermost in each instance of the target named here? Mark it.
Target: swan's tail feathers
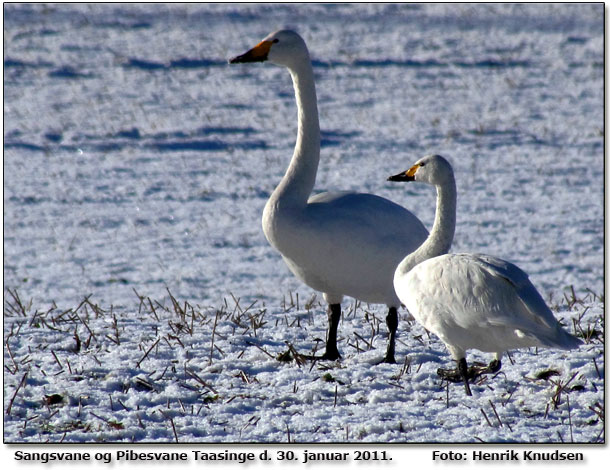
(555, 337)
(561, 339)
(568, 341)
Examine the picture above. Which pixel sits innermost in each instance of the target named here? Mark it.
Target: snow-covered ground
(142, 301)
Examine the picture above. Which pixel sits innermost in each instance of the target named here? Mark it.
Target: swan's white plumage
(471, 301)
(347, 244)
(471, 304)
(337, 243)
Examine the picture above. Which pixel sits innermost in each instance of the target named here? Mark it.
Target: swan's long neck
(298, 182)
(441, 236)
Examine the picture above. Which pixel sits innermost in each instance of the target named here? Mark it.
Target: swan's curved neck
(441, 236)
(300, 177)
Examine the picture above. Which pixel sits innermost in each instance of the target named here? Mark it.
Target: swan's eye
(276, 40)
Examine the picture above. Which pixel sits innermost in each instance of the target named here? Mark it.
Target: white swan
(338, 243)
(470, 301)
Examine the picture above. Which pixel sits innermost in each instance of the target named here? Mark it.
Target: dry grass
(68, 348)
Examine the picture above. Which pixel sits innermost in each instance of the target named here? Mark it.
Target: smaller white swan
(470, 301)
(339, 243)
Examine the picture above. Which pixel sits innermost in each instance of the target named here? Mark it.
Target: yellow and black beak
(408, 175)
(258, 53)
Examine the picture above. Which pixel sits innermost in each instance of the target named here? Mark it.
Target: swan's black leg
(334, 315)
(392, 322)
(463, 370)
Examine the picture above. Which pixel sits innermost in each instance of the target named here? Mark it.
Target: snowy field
(142, 302)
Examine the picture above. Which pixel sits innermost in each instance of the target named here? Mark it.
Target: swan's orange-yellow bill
(258, 53)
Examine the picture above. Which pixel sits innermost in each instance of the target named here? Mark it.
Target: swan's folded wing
(377, 220)
(531, 299)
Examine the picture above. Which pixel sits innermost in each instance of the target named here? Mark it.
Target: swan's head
(432, 169)
(283, 47)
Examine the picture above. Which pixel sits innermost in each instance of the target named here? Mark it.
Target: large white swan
(470, 301)
(340, 243)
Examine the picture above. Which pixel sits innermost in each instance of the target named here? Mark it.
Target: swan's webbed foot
(302, 358)
(388, 359)
(459, 374)
(450, 375)
(331, 354)
(466, 374)
(479, 369)
(455, 375)
(474, 371)
(327, 356)
(495, 366)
